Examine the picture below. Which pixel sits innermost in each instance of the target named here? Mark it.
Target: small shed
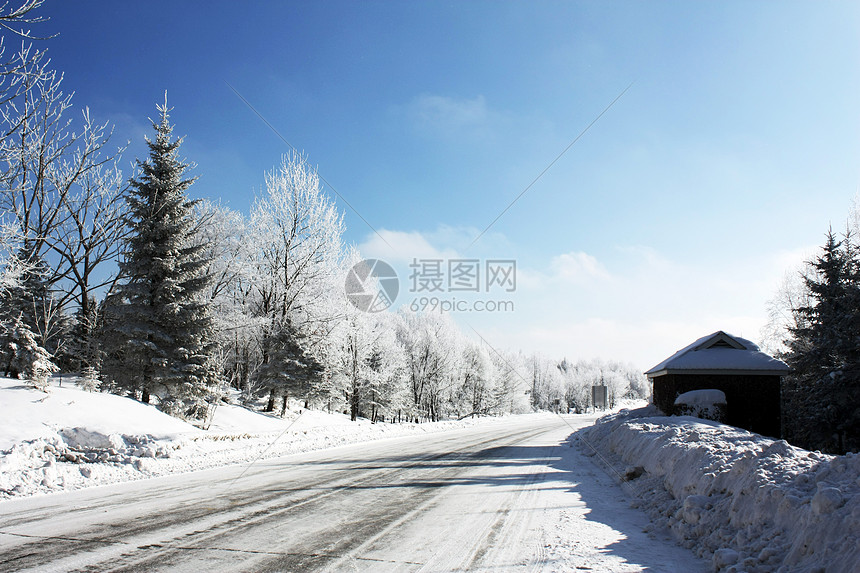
(748, 377)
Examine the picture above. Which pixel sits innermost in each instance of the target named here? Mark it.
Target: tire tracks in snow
(168, 532)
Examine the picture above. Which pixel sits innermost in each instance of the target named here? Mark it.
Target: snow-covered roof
(720, 353)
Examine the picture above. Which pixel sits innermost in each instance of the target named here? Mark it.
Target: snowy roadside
(746, 502)
(69, 439)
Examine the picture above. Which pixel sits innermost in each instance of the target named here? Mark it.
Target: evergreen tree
(845, 396)
(289, 370)
(89, 380)
(818, 345)
(821, 396)
(23, 304)
(163, 321)
(83, 343)
(85, 349)
(31, 361)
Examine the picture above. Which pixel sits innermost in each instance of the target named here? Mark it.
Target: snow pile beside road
(749, 503)
(64, 461)
(27, 414)
(71, 439)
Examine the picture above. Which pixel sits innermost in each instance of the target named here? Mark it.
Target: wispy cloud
(450, 111)
(445, 241)
(450, 117)
(578, 267)
(402, 247)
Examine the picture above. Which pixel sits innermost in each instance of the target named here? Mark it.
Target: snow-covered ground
(745, 502)
(739, 500)
(69, 439)
(509, 495)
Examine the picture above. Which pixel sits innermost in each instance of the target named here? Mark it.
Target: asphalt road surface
(512, 495)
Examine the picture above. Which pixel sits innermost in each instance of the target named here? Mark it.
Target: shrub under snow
(749, 503)
(707, 404)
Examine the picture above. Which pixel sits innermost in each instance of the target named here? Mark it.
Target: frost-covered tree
(387, 394)
(26, 301)
(578, 379)
(511, 382)
(617, 387)
(229, 246)
(15, 15)
(292, 270)
(297, 235)
(430, 346)
(475, 392)
(547, 383)
(160, 313)
(354, 369)
(88, 241)
(783, 311)
(358, 352)
(31, 362)
(49, 163)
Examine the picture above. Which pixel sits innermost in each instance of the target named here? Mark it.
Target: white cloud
(578, 267)
(436, 109)
(449, 117)
(444, 242)
(402, 247)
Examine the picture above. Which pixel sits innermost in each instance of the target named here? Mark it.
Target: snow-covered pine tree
(31, 361)
(25, 299)
(160, 314)
(84, 348)
(89, 380)
(83, 342)
(289, 369)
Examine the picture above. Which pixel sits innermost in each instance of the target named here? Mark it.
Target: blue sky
(676, 214)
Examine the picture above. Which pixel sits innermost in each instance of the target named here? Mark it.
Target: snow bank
(76, 458)
(71, 439)
(748, 503)
(27, 413)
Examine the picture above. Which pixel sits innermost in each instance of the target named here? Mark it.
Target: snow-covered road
(513, 495)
